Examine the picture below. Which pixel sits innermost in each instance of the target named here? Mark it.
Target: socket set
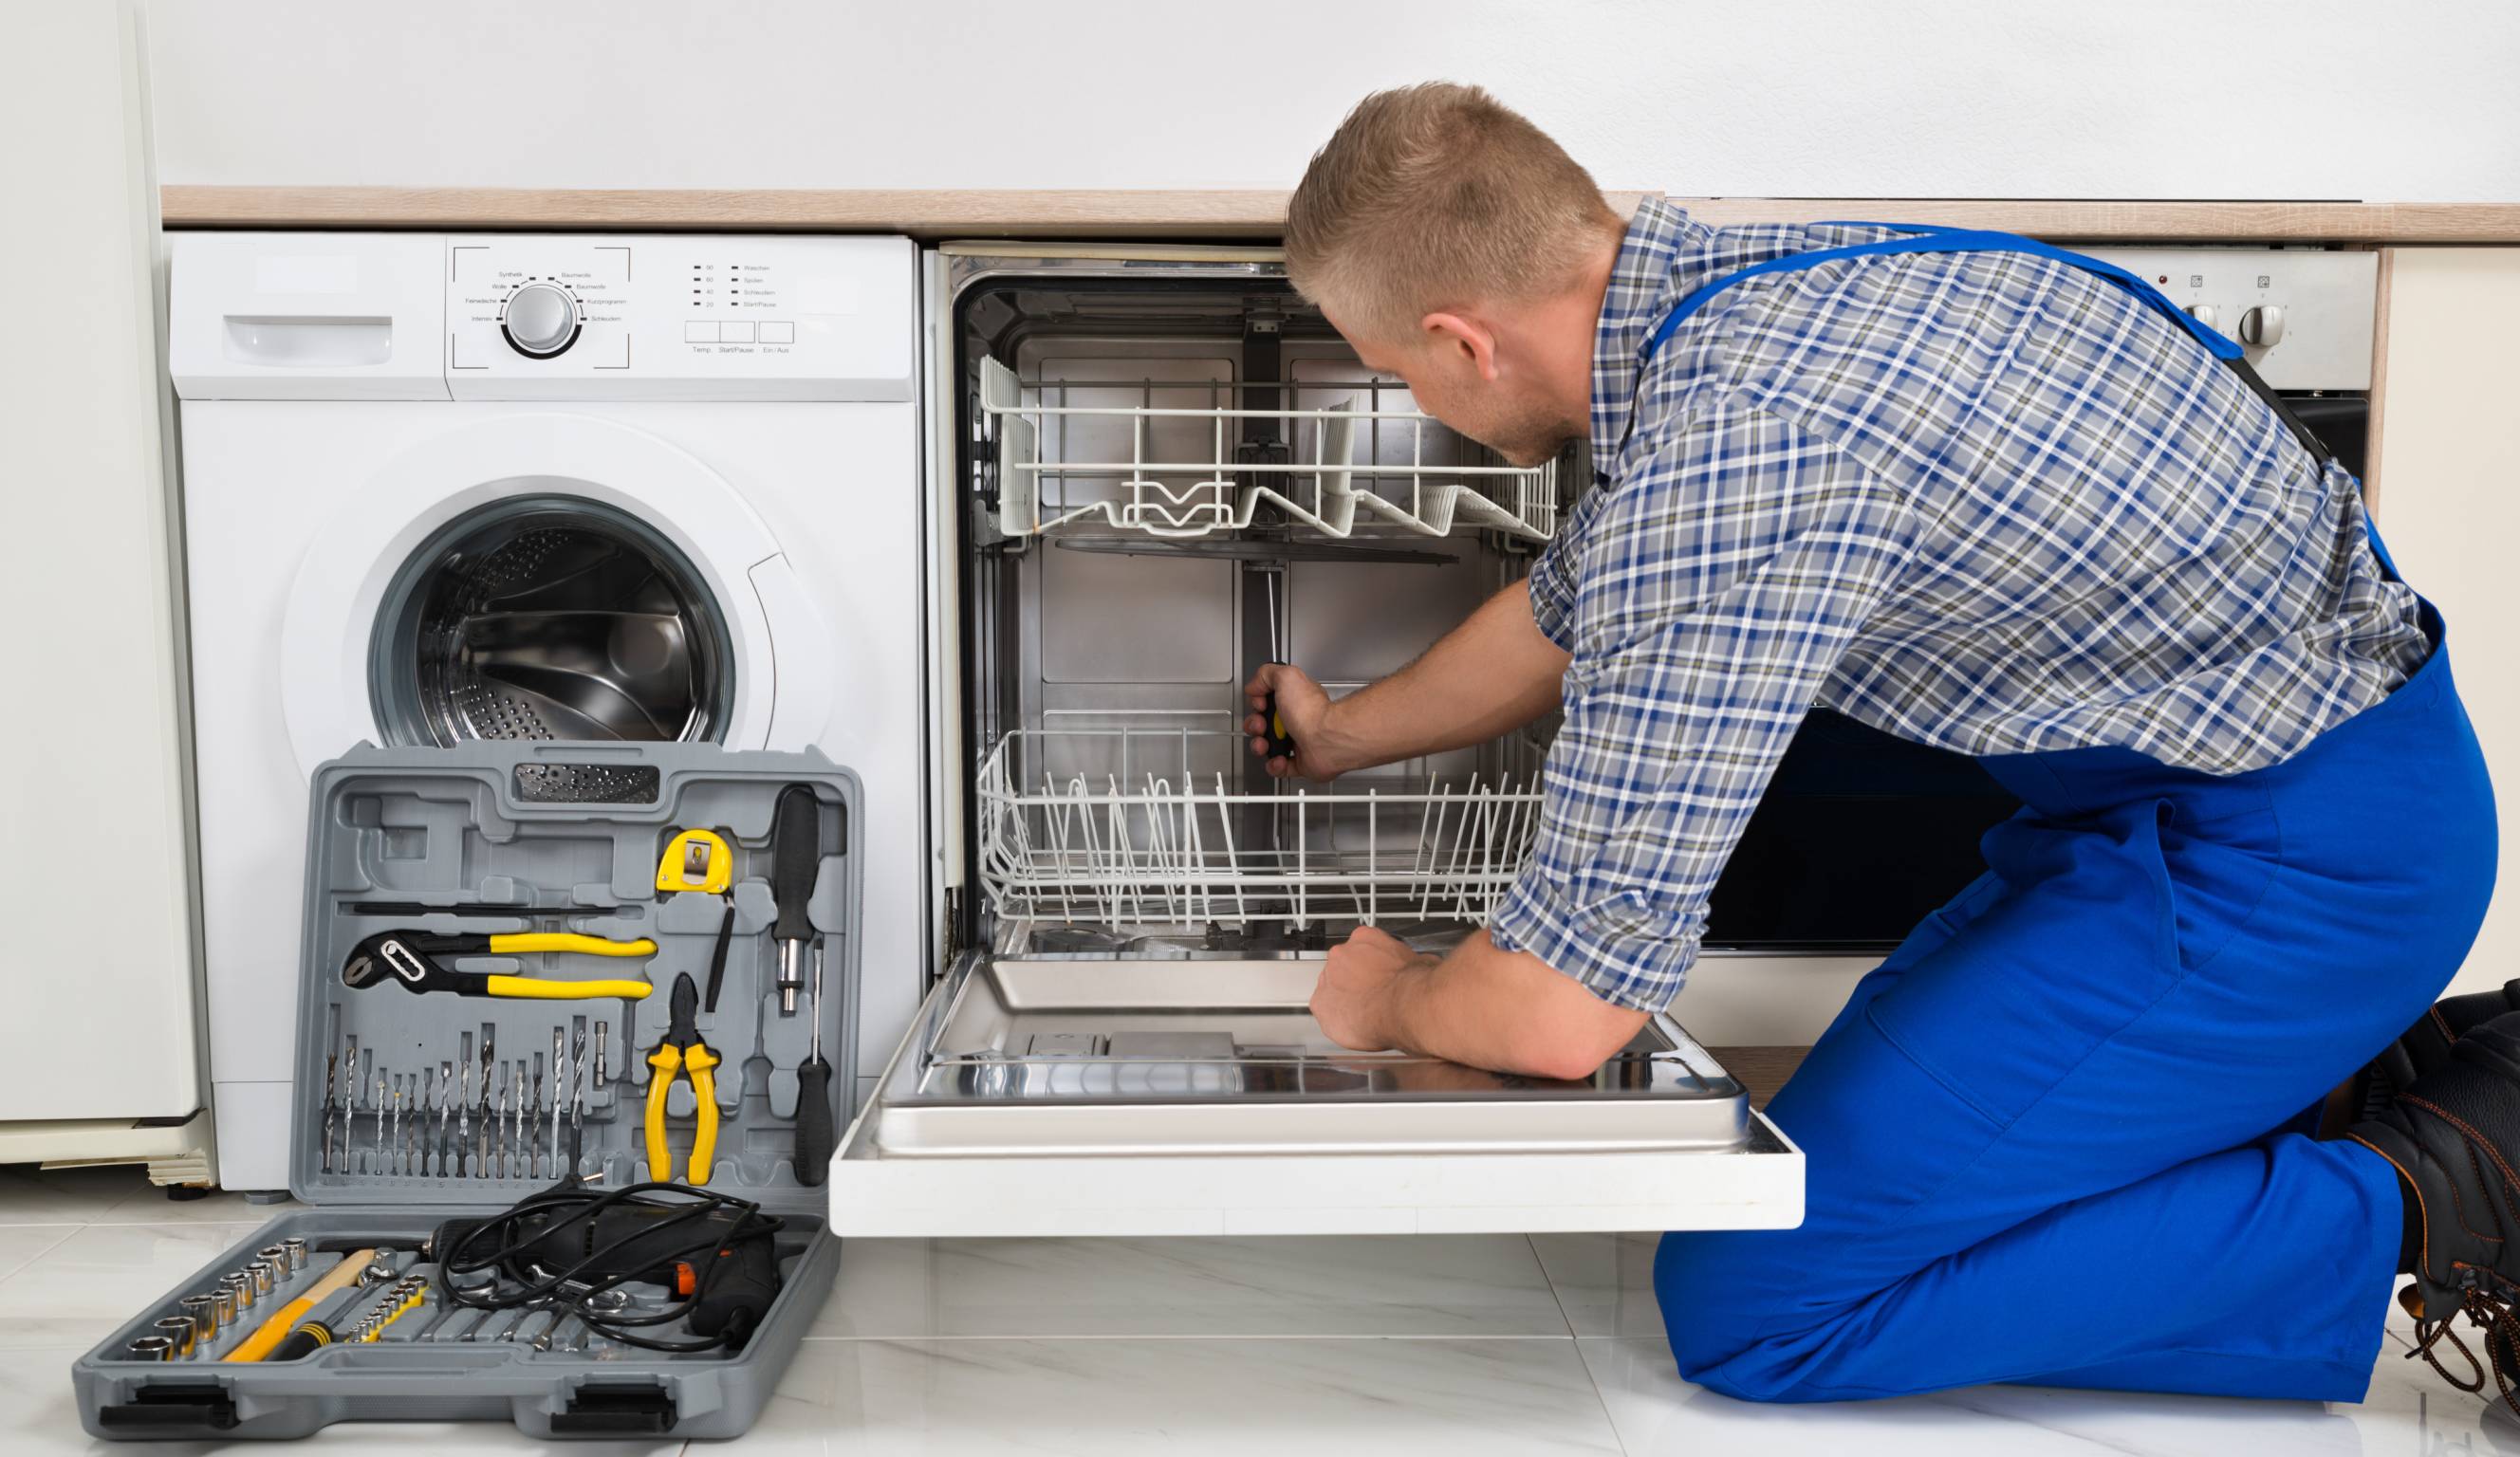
(513, 985)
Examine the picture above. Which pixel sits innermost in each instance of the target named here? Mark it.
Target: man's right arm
(1486, 678)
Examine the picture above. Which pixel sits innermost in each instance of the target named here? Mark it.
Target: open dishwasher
(1152, 469)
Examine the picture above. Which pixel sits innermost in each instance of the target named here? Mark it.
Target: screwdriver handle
(813, 1123)
(1281, 745)
(795, 854)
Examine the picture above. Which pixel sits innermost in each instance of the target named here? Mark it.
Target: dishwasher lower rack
(1055, 1056)
(1175, 465)
(1134, 829)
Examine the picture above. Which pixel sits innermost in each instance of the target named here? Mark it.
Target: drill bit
(332, 1059)
(463, 1101)
(577, 1098)
(524, 1114)
(350, 1098)
(559, 1074)
(393, 1158)
(445, 1087)
(380, 1164)
(534, 1116)
(481, 1154)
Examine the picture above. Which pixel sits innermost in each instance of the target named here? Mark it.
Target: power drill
(718, 1250)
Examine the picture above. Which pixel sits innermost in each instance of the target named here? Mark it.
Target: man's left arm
(1508, 1011)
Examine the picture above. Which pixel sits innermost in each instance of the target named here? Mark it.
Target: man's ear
(1460, 336)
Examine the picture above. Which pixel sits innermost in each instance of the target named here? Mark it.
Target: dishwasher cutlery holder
(568, 838)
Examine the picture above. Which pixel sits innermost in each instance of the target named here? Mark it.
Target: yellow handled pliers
(404, 958)
(681, 1050)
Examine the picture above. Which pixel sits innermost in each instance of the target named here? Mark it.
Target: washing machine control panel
(680, 317)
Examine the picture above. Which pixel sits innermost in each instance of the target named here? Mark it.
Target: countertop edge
(1256, 214)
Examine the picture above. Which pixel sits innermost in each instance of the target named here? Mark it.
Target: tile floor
(1454, 1344)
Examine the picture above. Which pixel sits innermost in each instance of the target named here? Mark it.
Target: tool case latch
(164, 1404)
(618, 1407)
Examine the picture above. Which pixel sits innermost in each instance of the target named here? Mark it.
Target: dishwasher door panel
(1044, 1097)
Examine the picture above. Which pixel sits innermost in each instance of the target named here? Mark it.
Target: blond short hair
(1438, 196)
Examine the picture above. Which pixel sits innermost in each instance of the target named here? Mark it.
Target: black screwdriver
(1281, 745)
(795, 854)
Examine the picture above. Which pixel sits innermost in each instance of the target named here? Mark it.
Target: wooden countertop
(1256, 215)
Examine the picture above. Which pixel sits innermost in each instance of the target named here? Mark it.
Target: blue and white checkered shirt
(1981, 500)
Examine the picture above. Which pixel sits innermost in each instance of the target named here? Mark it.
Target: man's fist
(1305, 710)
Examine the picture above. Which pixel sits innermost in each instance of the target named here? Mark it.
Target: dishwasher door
(1097, 1096)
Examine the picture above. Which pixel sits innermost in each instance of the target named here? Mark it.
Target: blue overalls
(2059, 1135)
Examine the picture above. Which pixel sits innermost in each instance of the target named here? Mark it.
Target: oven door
(1053, 1096)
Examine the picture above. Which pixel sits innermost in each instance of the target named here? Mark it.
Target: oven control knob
(2206, 313)
(2263, 325)
(540, 320)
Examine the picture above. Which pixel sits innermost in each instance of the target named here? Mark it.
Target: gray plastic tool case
(551, 825)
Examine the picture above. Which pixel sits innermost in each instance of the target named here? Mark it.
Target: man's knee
(1716, 1313)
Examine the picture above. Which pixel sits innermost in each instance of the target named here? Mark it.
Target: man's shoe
(2426, 1045)
(2453, 1137)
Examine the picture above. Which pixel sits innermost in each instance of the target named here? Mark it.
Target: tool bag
(408, 852)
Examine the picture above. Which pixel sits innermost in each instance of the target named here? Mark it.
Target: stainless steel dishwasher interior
(1157, 461)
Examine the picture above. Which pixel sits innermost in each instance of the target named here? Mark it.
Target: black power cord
(564, 1248)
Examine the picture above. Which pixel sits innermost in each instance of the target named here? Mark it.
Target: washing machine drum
(549, 618)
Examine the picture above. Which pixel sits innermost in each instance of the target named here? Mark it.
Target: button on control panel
(2304, 317)
(680, 317)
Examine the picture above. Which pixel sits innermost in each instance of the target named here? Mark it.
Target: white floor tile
(20, 1244)
(32, 1195)
(1417, 1285)
(2408, 1410)
(149, 1205)
(1603, 1281)
(78, 1291)
(1110, 1398)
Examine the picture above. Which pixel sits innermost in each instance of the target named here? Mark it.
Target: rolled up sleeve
(1721, 581)
(1551, 582)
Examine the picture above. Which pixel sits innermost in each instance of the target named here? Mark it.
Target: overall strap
(1932, 238)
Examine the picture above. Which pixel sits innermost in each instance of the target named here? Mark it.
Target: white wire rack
(1406, 481)
(1153, 833)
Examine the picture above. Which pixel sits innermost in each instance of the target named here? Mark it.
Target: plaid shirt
(1980, 500)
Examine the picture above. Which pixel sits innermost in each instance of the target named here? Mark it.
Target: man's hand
(1306, 711)
(1352, 1000)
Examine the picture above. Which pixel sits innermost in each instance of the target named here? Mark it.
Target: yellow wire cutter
(681, 1050)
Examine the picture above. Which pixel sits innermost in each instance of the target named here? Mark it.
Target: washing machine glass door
(545, 575)
(550, 616)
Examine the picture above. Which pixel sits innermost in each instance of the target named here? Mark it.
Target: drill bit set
(511, 1002)
(463, 1117)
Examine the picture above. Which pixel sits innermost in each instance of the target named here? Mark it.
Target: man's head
(1455, 246)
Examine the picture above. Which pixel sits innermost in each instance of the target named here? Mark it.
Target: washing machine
(589, 487)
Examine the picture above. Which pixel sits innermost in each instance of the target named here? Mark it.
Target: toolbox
(408, 981)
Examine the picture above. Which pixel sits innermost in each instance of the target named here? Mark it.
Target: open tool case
(558, 827)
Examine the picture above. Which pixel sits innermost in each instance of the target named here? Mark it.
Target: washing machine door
(548, 576)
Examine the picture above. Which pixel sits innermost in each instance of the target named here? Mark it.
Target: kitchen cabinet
(2445, 489)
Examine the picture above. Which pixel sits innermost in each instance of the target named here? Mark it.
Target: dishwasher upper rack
(1323, 485)
(1156, 836)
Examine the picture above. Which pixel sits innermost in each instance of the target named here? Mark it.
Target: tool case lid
(574, 828)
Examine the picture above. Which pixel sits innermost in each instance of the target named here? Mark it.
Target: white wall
(1784, 98)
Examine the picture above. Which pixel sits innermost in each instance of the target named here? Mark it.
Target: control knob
(540, 320)
(2263, 325)
(2206, 313)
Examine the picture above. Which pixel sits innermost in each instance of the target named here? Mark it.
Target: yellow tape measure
(696, 860)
